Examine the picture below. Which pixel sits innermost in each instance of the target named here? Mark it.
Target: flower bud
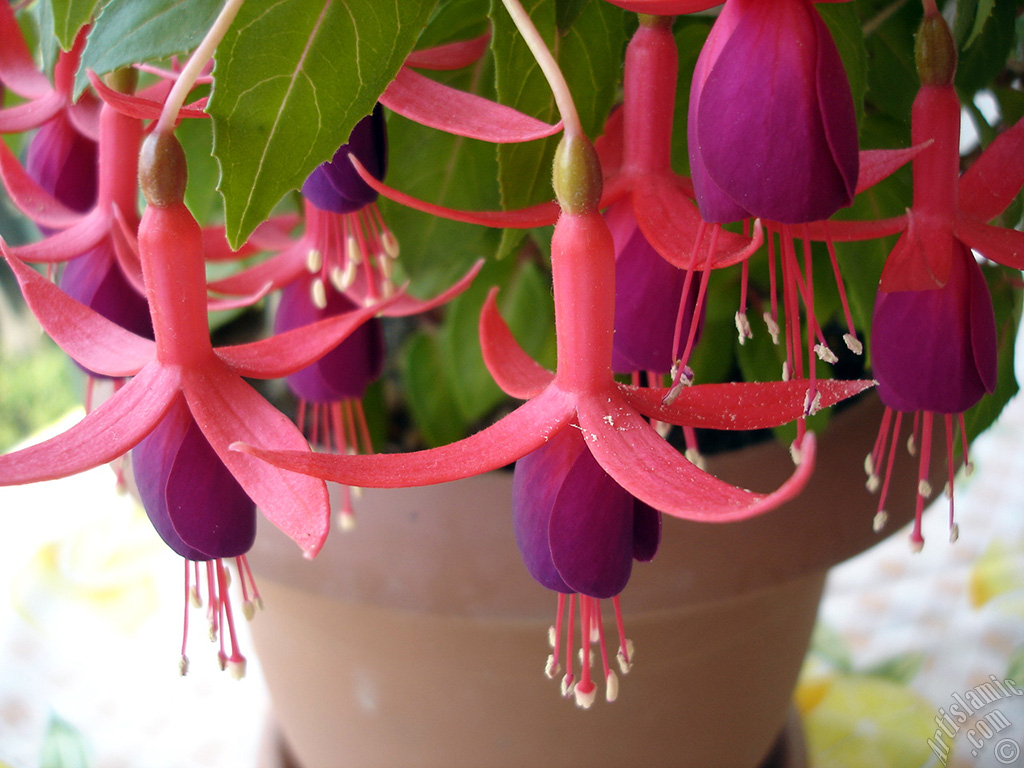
(935, 51)
(577, 175)
(163, 172)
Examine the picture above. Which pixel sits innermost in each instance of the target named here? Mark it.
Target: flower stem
(548, 65)
(195, 64)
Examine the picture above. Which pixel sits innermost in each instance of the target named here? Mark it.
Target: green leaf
(292, 79)
(986, 55)
(590, 55)
(129, 31)
(69, 16)
(475, 392)
(63, 746)
(566, 12)
(430, 401)
(970, 19)
(447, 170)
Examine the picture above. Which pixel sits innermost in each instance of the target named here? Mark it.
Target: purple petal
(346, 370)
(193, 501)
(63, 162)
(591, 529)
(646, 531)
(335, 185)
(535, 485)
(790, 153)
(935, 350)
(648, 291)
(95, 279)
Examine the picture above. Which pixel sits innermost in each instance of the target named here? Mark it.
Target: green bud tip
(935, 51)
(577, 175)
(163, 172)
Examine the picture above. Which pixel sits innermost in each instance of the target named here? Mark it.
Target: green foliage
(293, 78)
(69, 16)
(128, 31)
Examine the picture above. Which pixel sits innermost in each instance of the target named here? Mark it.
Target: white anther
(585, 698)
(611, 687)
(589, 658)
(552, 636)
(873, 484)
(346, 520)
(183, 665)
(194, 598)
(947, 490)
(869, 465)
(568, 684)
(389, 243)
(318, 294)
(673, 393)
(696, 458)
(552, 668)
(853, 344)
(878, 523)
(595, 633)
(916, 545)
(348, 275)
(773, 327)
(211, 631)
(824, 353)
(314, 260)
(353, 252)
(248, 610)
(258, 602)
(912, 445)
(954, 533)
(337, 277)
(924, 488)
(795, 453)
(968, 469)
(785, 371)
(743, 327)
(625, 659)
(812, 405)
(237, 668)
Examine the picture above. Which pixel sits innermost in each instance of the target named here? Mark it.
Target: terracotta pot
(418, 639)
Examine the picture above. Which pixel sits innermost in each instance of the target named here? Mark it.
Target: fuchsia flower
(790, 154)
(180, 369)
(203, 514)
(933, 336)
(579, 532)
(582, 395)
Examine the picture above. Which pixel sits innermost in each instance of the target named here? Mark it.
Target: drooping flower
(790, 153)
(583, 395)
(180, 365)
(936, 350)
(579, 532)
(934, 324)
(203, 515)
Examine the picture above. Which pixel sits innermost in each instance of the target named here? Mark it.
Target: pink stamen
(236, 661)
(183, 663)
(585, 688)
(953, 528)
(853, 342)
(568, 680)
(923, 488)
(889, 463)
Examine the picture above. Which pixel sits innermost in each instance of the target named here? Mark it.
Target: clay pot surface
(418, 639)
